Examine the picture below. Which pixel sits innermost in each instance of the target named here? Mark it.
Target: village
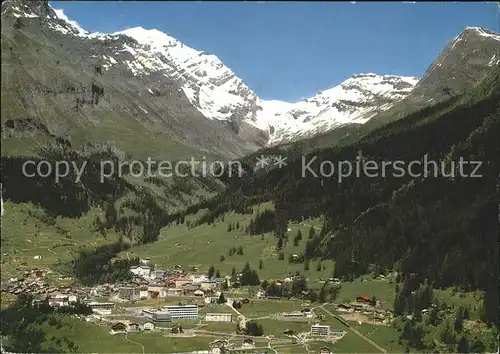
(186, 304)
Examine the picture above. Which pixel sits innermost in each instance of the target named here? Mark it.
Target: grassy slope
(204, 245)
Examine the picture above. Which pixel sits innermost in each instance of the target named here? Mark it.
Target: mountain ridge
(213, 88)
(211, 108)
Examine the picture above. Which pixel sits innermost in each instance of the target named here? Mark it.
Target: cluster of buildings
(33, 282)
(176, 312)
(365, 306)
(129, 326)
(149, 283)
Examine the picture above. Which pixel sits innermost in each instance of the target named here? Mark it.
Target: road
(354, 329)
(243, 319)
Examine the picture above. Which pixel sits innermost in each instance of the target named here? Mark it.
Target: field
(351, 343)
(205, 245)
(385, 336)
(383, 290)
(261, 308)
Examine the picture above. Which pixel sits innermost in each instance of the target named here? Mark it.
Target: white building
(198, 293)
(218, 317)
(211, 299)
(143, 293)
(320, 330)
(157, 316)
(208, 284)
(198, 278)
(102, 308)
(148, 326)
(129, 293)
(174, 292)
(184, 311)
(142, 271)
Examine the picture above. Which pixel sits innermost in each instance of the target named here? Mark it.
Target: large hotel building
(184, 311)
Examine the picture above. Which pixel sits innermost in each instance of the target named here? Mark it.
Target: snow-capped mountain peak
(355, 100)
(217, 93)
(211, 86)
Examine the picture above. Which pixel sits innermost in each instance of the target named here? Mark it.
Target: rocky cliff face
(462, 64)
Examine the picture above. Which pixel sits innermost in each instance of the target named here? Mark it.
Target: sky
(292, 50)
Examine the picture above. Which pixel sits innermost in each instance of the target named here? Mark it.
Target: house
(141, 271)
(344, 307)
(325, 350)
(248, 343)
(218, 317)
(174, 292)
(133, 327)
(143, 293)
(38, 273)
(211, 299)
(101, 308)
(181, 281)
(177, 329)
(118, 327)
(189, 288)
(155, 292)
(157, 316)
(148, 326)
(273, 298)
(158, 274)
(363, 299)
(208, 284)
(129, 293)
(198, 278)
(296, 314)
(198, 293)
(320, 330)
(218, 346)
(145, 261)
(307, 313)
